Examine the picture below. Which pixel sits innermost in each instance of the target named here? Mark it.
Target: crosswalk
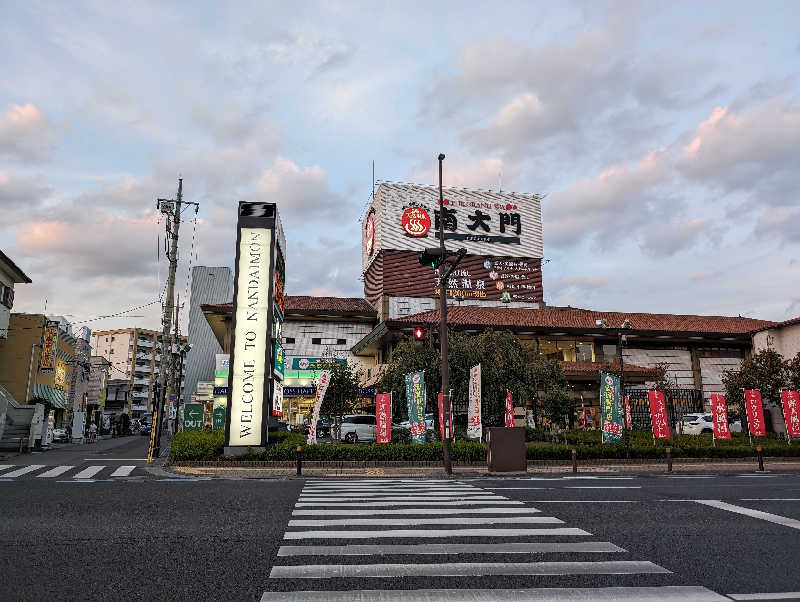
(432, 541)
(41, 471)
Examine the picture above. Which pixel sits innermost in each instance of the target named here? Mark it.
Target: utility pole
(172, 367)
(171, 208)
(448, 465)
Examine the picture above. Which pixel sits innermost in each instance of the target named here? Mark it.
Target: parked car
(358, 427)
(146, 428)
(323, 428)
(700, 422)
(59, 435)
(429, 423)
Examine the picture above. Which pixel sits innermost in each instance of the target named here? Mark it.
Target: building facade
(79, 387)
(134, 354)
(10, 274)
(783, 337)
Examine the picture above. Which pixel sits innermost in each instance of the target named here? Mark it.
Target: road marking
(183, 480)
(418, 533)
(378, 494)
(667, 593)
(469, 569)
(86, 481)
(115, 459)
(54, 472)
(526, 488)
(452, 548)
(691, 477)
(24, 470)
(406, 503)
(767, 596)
(404, 511)
(585, 501)
(758, 476)
(6, 466)
(770, 499)
(410, 498)
(772, 518)
(123, 471)
(455, 520)
(88, 473)
(600, 478)
(604, 487)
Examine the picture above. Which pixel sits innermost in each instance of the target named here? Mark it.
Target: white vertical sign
(474, 426)
(250, 369)
(324, 381)
(277, 399)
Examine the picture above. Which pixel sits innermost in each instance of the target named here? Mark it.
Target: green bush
(401, 436)
(277, 437)
(197, 445)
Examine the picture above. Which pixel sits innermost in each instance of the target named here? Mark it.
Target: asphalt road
(184, 539)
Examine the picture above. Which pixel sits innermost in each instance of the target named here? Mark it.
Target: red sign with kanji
(509, 409)
(628, 419)
(791, 412)
(755, 413)
(658, 414)
(441, 417)
(719, 411)
(383, 417)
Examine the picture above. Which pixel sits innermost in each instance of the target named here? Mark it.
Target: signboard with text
(383, 417)
(415, 398)
(193, 417)
(474, 418)
(315, 363)
(441, 416)
(324, 381)
(49, 344)
(791, 412)
(755, 413)
(658, 415)
(509, 413)
(611, 406)
(719, 414)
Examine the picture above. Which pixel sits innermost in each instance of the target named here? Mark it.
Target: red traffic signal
(419, 333)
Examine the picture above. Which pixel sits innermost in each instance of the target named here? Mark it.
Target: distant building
(135, 355)
(10, 275)
(210, 285)
(79, 388)
(783, 337)
(117, 396)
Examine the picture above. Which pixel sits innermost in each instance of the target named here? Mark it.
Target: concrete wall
(711, 371)
(785, 340)
(303, 331)
(679, 362)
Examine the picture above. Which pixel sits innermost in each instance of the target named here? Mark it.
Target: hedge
(196, 445)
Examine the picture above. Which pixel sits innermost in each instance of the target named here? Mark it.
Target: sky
(664, 137)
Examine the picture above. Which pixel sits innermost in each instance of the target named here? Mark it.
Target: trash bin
(506, 449)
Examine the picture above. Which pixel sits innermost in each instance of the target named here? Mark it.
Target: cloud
(300, 192)
(670, 238)
(25, 134)
(17, 192)
(324, 266)
(782, 223)
(489, 173)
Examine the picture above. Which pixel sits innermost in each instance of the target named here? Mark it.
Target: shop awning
(56, 397)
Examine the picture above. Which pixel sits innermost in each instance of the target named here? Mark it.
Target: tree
(547, 381)
(766, 372)
(793, 373)
(341, 394)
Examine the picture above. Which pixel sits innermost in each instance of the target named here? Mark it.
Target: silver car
(358, 427)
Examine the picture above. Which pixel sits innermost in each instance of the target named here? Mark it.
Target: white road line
(371, 504)
(770, 499)
(452, 548)
(455, 520)
(696, 476)
(362, 495)
(88, 473)
(404, 511)
(600, 478)
(667, 593)
(115, 459)
(758, 476)
(123, 471)
(54, 472)
(772, 518)
(419, 533)
(409, 498)
(767, 596)
(527, 488)
(24, 470)
(603, 487)
(585, 501)
(6, 466)
(469, 569)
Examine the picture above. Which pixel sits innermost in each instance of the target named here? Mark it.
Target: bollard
(299, 460)
(760, 459)
(669, 459)
(574, 460)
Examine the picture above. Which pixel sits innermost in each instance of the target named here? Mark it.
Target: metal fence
(678, 402)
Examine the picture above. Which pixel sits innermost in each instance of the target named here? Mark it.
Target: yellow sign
(47, 361)
(61, 375)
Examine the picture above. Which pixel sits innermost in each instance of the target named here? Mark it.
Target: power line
(119, 313)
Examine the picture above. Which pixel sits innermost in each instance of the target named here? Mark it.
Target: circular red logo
(370, 234)
(416, 221)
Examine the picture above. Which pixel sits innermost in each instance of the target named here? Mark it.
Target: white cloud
(299, 191)
(25, 133)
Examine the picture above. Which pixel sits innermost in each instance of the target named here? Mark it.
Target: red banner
(383, 417)
(791, 412)
(628, 420)
(441, 417)
(755, 413)
(583, 414)
(509, 409)
(658, 414)
(719, 412)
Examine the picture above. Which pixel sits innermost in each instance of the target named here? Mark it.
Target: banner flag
(277, 399)
(755, 413)
(415, 397)
(324, 381)
(509, 410)
(611, 407)
(441, 415)
(628, 419)
(719, 412)
(474, 426)
(583, 414)
(791, 407)
(658, 414)
(49, 343)
(383, 416)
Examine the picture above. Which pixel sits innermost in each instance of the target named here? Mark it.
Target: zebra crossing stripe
(466, 569)
(405, 511)
(411, 498)
(22, 471)
(88, 473)
(668, 593)
(494, 502)
(6, 466)
(123, 471)
(405, 492)
(452, 548)
(457, 520)
(54, 472)
(428, 533)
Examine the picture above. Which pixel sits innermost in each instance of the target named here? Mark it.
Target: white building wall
(678, 361)
(711, 371)
(304, 331)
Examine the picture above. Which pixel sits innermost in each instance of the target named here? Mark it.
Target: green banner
(218, 418)
(315, 363)
(611, 407)
(193, 417)
(415, 396)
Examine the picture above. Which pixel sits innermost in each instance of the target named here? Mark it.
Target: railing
(144, 356)
(140, 394)
(141, 343)
(678, 402)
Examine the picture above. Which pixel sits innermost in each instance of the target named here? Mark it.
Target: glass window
(289, 340)
(341, 341)
(316, 341)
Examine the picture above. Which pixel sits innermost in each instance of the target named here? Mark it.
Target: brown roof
(304, 304)
(592, 368)
(789, 322)
(585, 319)
(16, 272)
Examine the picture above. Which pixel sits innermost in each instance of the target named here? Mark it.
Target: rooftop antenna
(373, 178)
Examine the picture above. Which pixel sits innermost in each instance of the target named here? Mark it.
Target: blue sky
(665, 137)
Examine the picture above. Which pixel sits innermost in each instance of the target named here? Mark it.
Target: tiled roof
(789, 322)
(592, 368)
(303, 303)
(584, 319)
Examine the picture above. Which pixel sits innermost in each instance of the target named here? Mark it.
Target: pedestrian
(92, 432)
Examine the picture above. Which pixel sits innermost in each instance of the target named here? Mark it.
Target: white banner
(324, 381)
(474, 426)
(277, 399)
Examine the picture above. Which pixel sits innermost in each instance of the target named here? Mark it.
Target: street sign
(218, 418)
(193, 417)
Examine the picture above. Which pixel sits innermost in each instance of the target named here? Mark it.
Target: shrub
(197, 445)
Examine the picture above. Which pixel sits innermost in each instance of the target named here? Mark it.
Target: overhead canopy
(56, 397)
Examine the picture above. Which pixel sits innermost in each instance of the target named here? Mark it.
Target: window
(112, 339)
(316, 341)
(288, 340)
(111, 352)
(341, 341)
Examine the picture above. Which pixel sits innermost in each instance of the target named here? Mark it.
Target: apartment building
(135, 356)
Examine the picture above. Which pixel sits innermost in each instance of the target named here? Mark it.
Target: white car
(59, 435)
(357, 427)
(695, 424)
(429, 422)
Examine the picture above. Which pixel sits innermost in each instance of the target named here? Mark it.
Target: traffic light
(431, 256)
(419, 337)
